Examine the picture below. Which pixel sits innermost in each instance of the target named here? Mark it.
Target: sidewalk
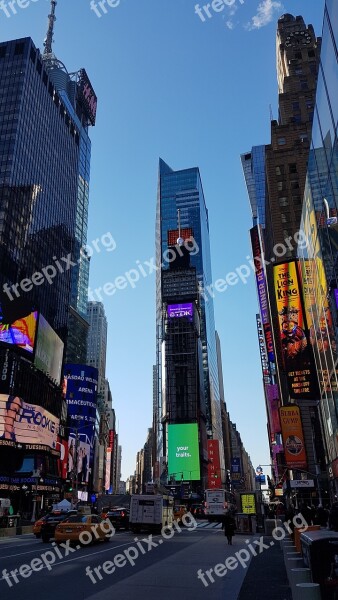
(266, 577)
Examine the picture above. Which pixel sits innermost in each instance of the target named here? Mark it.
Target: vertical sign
(297, 354)
(293, 438)
(214, 465)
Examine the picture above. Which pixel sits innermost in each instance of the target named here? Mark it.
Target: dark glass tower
(44, 181)
(182, 191)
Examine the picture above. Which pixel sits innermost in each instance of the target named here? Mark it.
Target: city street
(169, 569)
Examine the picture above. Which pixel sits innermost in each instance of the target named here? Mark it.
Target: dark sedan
(119, 518)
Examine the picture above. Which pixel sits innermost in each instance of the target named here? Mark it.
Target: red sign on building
(214, 465)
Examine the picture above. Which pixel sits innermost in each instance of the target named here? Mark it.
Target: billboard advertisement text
(293, 438)
(183, 452)
(28, 424)
(214, 465)
(297, 353)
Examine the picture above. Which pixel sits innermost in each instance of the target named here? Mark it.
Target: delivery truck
(150, 512)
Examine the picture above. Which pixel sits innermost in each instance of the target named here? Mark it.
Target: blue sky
(197, 94)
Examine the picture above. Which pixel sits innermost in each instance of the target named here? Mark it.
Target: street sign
(302, 483)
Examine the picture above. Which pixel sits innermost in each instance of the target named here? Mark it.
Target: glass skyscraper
(44, 187)
(182, 191)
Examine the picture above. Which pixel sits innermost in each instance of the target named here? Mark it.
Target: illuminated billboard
(214, 465)
(49, 350)
(81, 397)
(176, 311)
(248, 504)
(21, 333)
(262, 289)
(183, 452)
(293, 438)
(28, 424)
(297, 352)
(173, 235)
(87, 96)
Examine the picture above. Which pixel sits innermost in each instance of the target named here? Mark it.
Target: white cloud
(265, 14)
(230, 24)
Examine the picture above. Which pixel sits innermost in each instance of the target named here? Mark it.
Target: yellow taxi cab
(37, 526)
(83, 529)
(179, 512)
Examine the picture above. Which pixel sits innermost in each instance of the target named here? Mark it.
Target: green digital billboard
(183, 452)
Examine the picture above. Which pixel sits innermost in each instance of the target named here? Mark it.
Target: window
(294, 185)
(292, 168)
(280, 185)
(298, 55)
(311, 54)
(3, 51)
(281, 141)
(280, 170)
(309, 104)
(295, 106)
(296, 119)
(296, 200)
(283, 201)
(303, 137)
(285, 217)
(299, 71)
(19, 48)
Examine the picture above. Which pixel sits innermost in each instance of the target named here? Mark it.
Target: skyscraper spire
(50, 32)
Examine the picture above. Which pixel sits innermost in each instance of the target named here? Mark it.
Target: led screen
(183, 452)
(180, 310)
(20, 333)
(49, 350)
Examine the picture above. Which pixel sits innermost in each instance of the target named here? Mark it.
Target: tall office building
(275, 176)
(44, 186)
(187, 392)
(319, 226)
(97, 340)
(298, 52)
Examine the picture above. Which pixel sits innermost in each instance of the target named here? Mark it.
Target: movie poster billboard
(297, 353)
(21, 333)
(81, 397)
(214, 465)
(49, 350)
(293, 437)
(26, 424)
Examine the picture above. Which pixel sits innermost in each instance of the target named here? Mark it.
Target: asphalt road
(163, 568)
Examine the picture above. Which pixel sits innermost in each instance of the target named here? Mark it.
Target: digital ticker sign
(183, 452)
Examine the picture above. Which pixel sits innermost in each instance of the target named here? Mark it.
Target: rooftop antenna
(180, 240)
(50, 32)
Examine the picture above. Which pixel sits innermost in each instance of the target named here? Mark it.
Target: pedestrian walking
(229, 526)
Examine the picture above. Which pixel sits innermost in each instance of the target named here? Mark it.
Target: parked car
(119, 517)
(71, 529)
(52, 520)
(197, 511)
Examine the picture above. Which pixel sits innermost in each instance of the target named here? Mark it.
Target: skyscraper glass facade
(44, 188)
(182, 190)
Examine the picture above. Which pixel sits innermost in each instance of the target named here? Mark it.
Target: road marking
(272, 543)
(160, 541)
(78, 547)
